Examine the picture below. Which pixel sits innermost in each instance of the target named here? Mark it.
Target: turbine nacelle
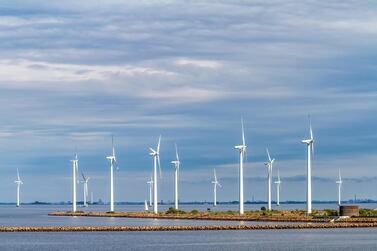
(241, 148)
(307, 141)
(176, 163)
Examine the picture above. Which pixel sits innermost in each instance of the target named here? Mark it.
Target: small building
(349, 210)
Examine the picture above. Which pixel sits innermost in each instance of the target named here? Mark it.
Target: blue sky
(75, 72)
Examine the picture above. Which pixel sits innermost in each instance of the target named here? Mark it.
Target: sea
(305, 239)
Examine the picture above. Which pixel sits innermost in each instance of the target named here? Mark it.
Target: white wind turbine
(86, 193)
(278, 182)
(340, 183)
(113, 162)
(18, 183)
(269, 170)
(310, 148)
(176, 164)
(156, 159)
(242, 150)
(150, 183)
(216, 184)
(75, 169)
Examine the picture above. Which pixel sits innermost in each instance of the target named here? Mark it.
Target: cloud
(76, 72)
(199, 63)
(33, 71)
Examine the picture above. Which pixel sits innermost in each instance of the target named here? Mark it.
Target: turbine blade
(159, 165)
(310, 128)
(158, 146)
(18, 175)
(152, 150)
(243, 133)
(214, 173)
(176, 152)
(219, 185)
(268, 154)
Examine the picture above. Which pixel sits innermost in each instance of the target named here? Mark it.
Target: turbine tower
(310, 148)
(18, 183)
(75, 169)
(242, 151)
(156, 159)
(150, 182)
(113, 162)
(215, 184)
(85, 183)
(176, 164)
(339, 182)
(278, 182)
(269, 170)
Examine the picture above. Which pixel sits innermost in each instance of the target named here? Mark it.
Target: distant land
(100, 202)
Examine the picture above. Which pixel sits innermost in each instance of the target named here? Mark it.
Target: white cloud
(199, 63)
(35, 71)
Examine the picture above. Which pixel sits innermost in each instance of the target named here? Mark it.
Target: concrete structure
(349, 210)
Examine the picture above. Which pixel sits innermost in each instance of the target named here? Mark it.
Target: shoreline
(185, 228)
(220, 217)
(194, 217)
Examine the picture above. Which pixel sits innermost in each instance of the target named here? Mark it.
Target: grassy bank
(318, 216)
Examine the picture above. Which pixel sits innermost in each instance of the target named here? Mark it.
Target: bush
(194, 211)
(367, 212)
(263, 208)
(230, 212)
(172, 210)
(331, 212)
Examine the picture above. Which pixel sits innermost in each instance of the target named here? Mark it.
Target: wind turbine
(150, 182)
(85, 183)
(215, 184)
(340, 183)
(75, 169)
(18, 183)
(113, 162)
(310, 148)
(278, 182)
(269, 169)
(176, 164)
(242, 150)
(156, 159)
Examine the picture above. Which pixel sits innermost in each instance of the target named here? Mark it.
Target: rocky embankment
(186, 228)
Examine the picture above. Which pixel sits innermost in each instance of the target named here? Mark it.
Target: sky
(74, 73)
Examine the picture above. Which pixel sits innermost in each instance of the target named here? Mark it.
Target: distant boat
(146, 206)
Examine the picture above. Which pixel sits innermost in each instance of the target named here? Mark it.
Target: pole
(155, 208)
(309, 182)
(241, 182)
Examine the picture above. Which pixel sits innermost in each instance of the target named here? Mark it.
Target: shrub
(263, 208)
(230, 212)
(331, 212)
(367, 212)
(194, 211)
(172, 210)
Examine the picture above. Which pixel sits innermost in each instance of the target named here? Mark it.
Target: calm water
(334, 239)
(315, 239)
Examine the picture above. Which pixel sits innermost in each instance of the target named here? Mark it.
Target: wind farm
(195, 125)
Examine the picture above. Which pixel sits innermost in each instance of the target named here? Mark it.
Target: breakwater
(185, 228)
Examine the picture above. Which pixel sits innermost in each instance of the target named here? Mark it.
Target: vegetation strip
(184, 228)
(218, 217)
